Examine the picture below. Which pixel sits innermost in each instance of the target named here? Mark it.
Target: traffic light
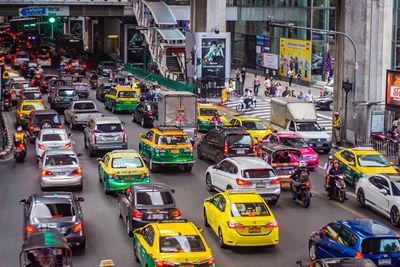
(52, 19)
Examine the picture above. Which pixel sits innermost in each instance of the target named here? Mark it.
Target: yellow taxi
(10, 74)
(122, 98)
(357, 161)
(2, 62)
(241, 218)
(205, 113)
(171, 243)
(253, 125)
(120, 168)
(24, 110)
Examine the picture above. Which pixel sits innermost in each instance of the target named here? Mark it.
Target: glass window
(172, 140)
(308, 127)
(331, 231)
(148, 235)
(53, 137)
(60, 160)
(32, 107)
(209, 111)
(106, 159)
(380, 245)
(66, 92)
(123, 163)
(249, 209)
(84, 105)
(346, 238)
(127, 94)
(295, 142)
(274, 139)
(149, 136)
(372, 161)
(254, 125)
(109, 128)
(181, 244)
(154, 198)
(240, 139)
(32, 95)
(258, 173)
(52, 210)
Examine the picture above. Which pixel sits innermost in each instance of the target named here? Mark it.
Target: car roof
(53, 130)
(250, 162)
(227, 130)
(53, 197)
(65, 87)
(124, 153)
(243, 197)
(207, 106)
(158, 187)
(83, 101)
(176, 228)
(30, 90)
(368, 228)
(107, 119)
(123, 87)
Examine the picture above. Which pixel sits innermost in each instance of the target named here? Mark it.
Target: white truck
(298, 116)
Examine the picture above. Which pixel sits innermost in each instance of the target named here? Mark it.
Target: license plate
(385, 261)
(174, 150)
(261, 185)
(109, 138)
(158, 216)
(240, 151)
(254, 229)
(285, 184)
(319, 145)
(127, 102)
(129, 177)
(66, 100)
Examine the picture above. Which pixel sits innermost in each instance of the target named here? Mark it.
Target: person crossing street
(337, 123)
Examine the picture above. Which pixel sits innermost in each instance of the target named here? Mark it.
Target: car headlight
(315, 156)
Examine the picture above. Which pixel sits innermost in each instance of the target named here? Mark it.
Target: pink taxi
(292, 140)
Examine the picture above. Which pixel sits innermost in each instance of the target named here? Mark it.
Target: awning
(171, 34)
(161, 12)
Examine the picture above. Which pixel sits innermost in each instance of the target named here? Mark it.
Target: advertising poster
(393, 90)
(263, 44)
(135, 47)
(75, 28)
(295, 54)
(270, 61)
(213, 57)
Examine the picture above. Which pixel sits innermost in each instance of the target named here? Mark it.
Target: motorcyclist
(335, 170)
(327, 168)
(300, 172)
(93, 77)
(19, 135)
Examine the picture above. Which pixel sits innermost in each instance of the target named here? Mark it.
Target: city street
(106, 234)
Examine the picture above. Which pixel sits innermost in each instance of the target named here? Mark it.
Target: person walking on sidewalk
(243, 73)
(301, 96)
(337, 124)
(309, 96)
(290, 75)
(267, 85)
(298, 77)
(256, 84)
(278, 92)
(237, 85)
(286, 93)
(230, 89)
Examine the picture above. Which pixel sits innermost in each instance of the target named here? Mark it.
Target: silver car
(105, 134)
(59, 168)
(52, 139)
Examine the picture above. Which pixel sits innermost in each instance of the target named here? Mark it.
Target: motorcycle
(338, 192)
(389, 141)
(241, 105)
(7, 104)
(302, 191)
(93, 84)
(20, 150)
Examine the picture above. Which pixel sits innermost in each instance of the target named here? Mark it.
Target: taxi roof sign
(241, 191)
(364, 148)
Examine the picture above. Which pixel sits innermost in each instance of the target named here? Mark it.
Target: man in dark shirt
(335, 170)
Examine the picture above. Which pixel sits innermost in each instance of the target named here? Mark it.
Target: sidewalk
(6, 142)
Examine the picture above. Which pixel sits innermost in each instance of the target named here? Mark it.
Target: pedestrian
(278, 92)
(290, 75)
(298, 77)
(301, 96)
(337, 123)
(267, 85)
(272, 90)
(286, 93)
(243, 73)
(256, 84)
(237, 84)
(230, 89)
(309, 96)
(292, 94)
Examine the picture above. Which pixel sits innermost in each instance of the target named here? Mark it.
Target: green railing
(159, 79)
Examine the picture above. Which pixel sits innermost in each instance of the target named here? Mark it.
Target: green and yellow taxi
(122, 98)
(9, 74)
(205, 113)
(25, 108)
(357, 161)
(166, 145)
(241, 218)
(253, 125)
(171, 243)
(120, 168)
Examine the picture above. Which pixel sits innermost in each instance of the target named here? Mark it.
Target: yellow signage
(224, 95)
(295, 55)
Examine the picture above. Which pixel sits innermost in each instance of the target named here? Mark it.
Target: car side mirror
(391, 163)
(123, 123)
(99, 159)
(22, 202)
(79, 155)
(214, 166)
(80, 199)
(200, 229)
(208, 200)
(140, 135)
(310, 145)
(352, 164)
(383, 191)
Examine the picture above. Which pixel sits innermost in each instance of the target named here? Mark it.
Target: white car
(381, 192)
(328, 88)
(52, 139)
(244, 173)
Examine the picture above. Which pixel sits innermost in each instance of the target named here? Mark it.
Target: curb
(8, 149)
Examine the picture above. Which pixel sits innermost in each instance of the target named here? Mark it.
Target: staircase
(174, 67)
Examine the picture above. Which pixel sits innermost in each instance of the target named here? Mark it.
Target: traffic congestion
(108, 168)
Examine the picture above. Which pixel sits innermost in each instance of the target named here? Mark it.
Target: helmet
(302, 164)
(330, 158)
(336, 113)
(19, 129)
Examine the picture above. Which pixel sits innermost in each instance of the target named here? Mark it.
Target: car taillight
(137, 214)
(83, 66)
(117, 100)
(75, 98)
(60, 126)
(42, 147)
(69, 66)
(29, 229)
(226, 148)
(160, 263)
(46, 173)
(358, 255)
(232, 225)
(176, 214)
(277, 181)
(20, 115)
(271, 225)
(144, 175)
(308, 184)
(254, 148)
(189, 149)
(242, 182)
(67, 146)
(149, 113)
(77, 171)
(210, 261)
(123, 136)
(15, 61)
(32, 128)
(160, 149)
(49, 59)
(78, 227)
(58, 99)
(11, 92)
(95, 137)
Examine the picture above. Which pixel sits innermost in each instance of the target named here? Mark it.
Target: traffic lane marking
(324, 116)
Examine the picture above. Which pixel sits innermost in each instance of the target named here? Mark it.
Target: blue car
(356, 238)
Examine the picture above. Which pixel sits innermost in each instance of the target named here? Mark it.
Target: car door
(137, 111)
(147, 141)
(206, 144)
(378, 199)
(232, 122)
(103, 167)
(213, 212)
(229, 175)
(347, 158)
(124, 202)
(146, 242)
(328, 245)
(218, 175)
(274, 140)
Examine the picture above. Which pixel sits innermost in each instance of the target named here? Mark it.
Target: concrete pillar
(207, 14)
(369, 23)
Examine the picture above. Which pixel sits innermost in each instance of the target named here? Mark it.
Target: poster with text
(135, 47)
(263, 44)
(75, 28)
(296, 55)
(213, 59)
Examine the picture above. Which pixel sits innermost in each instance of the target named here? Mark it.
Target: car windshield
(295, 142)
(107, 64)
(32, 107)
(380, 245)
(308, 127)
(134, 162)
(32, 96)
(80, 87)
(19, 85)
(374, 160)
(13, 74)
(61, 160)
(154, 198)
(109, 128)
(53, 137)
(258, 173)
(181, 244)
(84, 106)
(254, 125)
(44, 117)
(127, 94)
(66, 92)
(249, 209)
(209, 111)
(240, 139)
(172, 140)
(52, 210)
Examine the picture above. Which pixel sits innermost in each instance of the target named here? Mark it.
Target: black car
(105, 68)
(102, 90)
(145, 113)
(59, 210)
(62, 96)
(222, 142)
(75, 66)
(324, 102)
(141, 204)
(340, 262)
(42, 119)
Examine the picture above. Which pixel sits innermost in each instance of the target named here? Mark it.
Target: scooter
(302, 191)
(338, 192)
(20, 150)
(241, 105)
(7, 104)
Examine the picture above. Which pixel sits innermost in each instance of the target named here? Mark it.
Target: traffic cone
(321, 94)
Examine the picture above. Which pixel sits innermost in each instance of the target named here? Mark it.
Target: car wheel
(106, 191)
(395, 216)
(206, 224)
(133, 117)
(228, 187)
(199, 154)
(221, 239)
(355, 181)
(152, 166)
(273, 202)
(188, 167)
(129, 227)
(360, 198)
(209, 185)
(142, 122)
(330, 107)
(83, 245)
(92, 153)
(312, 251)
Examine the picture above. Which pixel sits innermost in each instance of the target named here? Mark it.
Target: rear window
(172, 140)
(19, 85)
(83, 106)
(47, 210)
(32, 107)
(32, 96)
(239, 139)
(127, 163)
(32, 64)
(60, 160)
(249, 209)
(154, 198)
(44, 117)
(380, 245)
(109, 128)
(66, 92)
(258, 173)
(181, 244)
(53, 137)
(127, 94)
(209, 111)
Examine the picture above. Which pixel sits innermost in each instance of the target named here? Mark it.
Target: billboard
(213, 57)
(263, 44)
(135, 51)
(393, 90)
(295, 54)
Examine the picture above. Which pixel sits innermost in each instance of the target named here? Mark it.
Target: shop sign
(295, 54)
(393, 90)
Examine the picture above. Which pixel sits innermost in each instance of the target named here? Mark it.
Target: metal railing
(3, 133)
(388, 149)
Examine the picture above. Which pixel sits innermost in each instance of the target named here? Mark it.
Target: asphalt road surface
(106, 236)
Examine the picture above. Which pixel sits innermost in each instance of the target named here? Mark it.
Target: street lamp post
(322, 31)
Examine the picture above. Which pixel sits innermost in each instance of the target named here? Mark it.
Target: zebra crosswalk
(263, 111)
